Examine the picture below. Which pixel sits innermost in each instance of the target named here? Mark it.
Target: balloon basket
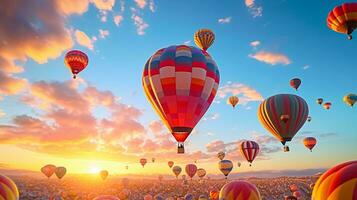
(180, 149)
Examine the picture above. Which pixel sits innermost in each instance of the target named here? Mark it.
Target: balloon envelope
(343, 19)
(221, 155)
(143, 161)
(201, 172)
(310, 142)
(104, 174)
(225, 166)
(48, 170)
(295, 83)
(60, 172)
(249, 150)
(237, 189)
(170, 163)
(76, 61)
(191, 170)
(350, 99)
(176, 170)
(204, 38)
(8, 189)
(233, 101)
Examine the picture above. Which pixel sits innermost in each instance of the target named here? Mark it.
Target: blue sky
(296, 30)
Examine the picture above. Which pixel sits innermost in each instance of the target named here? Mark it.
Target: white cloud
(225, 20)
(83, 39)
(104, 4)
(187, 42)
(103, 33)
(255, 43)
(141, 3)
(139, 22)
(306, 67)
(256, 11)
(271, 58)
(245, 93)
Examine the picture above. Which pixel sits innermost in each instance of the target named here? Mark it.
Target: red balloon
(295, 83)
(48, 170)
(191, 170)
(76, 61)
(249, 149)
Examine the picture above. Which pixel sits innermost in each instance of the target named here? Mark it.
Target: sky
(102, 120)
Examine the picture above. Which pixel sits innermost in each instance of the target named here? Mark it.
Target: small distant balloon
(214, 195)
(350, 99)
(60, 172)
(239, 164)
(327, 105)
(202, 197)
(295, 83)
(309, 118)
(319, 101)
(176, 170)
(104, 174)
(188, 196)
(201, 173)
(249, 150)
(148, 197)
(225, 166)
(221, 155)
(191, 170)
(153, 160)
(143, 161)
(310, 142)
(48, 170)
(233, 101)
(204, 38)
(76, 61)
(170, 164)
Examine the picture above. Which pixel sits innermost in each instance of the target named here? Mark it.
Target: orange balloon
(76, 61)
(48, 170)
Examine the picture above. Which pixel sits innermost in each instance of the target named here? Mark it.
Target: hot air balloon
(191, 170)
(249, 150)
(297, 194)
(310, 142)
(350, 99)
(104, 174)
(158, 197)
(153, 160)
(343, 19)
(76, 61)
(176, 170)
(327, 105)
(180, 82)
(225, 166)
(48, 170)
(143, 161)
(126, 167)
(236, 190)
(239, 164)
(170, 163)
(214, 194)
(290, 198)
(221, 155)
(148, 197)
(271, 109)
(295, 83)
(202, 197)
(201, 173)
(309, 119)
(8, 189)
(106, 197)
(319, 101)
(60, 172)
(294, 188)
(204, 38)
(188, 196)
(233, 101)
(339, 182)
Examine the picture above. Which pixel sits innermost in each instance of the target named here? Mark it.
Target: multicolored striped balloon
(76, 61)
(249, 150)
(8, 189)
(176, 170)
(310, 142)
(204, 38)
(343, 19)
(339, 182)
(214, 195)
(221, 155)
(225, 166)
(180, 82)
(191, 170)
(350, 99)
(271, 110)
(239, 190)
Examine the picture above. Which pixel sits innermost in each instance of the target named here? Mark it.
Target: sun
(94, 169)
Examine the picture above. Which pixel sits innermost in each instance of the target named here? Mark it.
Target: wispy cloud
(225, 20)
(245, 93)
(83, 39)
(104, 4)
(187, 42)
(255, 43)
(139, 22)
(118, 19)
(305, 67)
(256, 11)
(271, 58)
(103, 33)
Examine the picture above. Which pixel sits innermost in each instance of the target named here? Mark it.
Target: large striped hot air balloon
(106, 197)
(343, 19)
(339, 182)
(350, 99)
(310, 142)
(60, 172)
(204, 38)
(201, 173)
(76, 61)
(233, 101)
(191, 170)
(239, 190)
(8, 189)
(176, 170)
(272, 109)
(180, 82)
(48, 170)
(225, 166)
(249, 150)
